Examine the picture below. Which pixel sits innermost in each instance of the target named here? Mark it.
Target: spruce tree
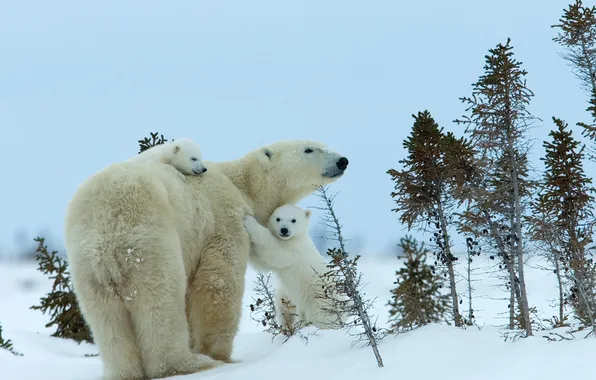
(343, 273)
(566, 202)
(426, 189)
(151, 141)
(61, 303)
(547, 238)
(497, 123)
(7, 344)
(416, 300)
(577, 35)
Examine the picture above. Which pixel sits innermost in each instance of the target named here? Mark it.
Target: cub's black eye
(268, 153)
(308, 150)
(193, 158)
(278, 219)
(293, 220)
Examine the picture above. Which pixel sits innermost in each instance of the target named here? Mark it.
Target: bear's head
(186, 156)
(289, 221)
(297, 167)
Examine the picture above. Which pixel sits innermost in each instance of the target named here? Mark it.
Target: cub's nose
(342, 163)
(284, 231)
(204, 170)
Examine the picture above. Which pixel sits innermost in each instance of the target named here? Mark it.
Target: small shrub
(7, 344)
(61, 303)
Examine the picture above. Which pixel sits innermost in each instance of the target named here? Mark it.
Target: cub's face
(187, 158)
(289, 221)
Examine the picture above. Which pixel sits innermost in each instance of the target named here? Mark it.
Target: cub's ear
(176, 149)
(307, 213)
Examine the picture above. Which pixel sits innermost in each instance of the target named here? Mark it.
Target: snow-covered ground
(433, 352)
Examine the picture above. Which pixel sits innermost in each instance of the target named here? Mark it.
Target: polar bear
(183, 154)
(286, 249)
(157, 262)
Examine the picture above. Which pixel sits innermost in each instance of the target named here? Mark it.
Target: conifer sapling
(343, 272)
(61, 303)
(151, 141)
(7, 344)
(417, 300)
(429, 187)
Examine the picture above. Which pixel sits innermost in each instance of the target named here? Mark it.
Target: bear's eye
(278, 219)
(293, 220)
(308, 150)
(268, 154)
(193, 158)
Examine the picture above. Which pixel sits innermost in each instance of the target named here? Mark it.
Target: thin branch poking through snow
(350, 278)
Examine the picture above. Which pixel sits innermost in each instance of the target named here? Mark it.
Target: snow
(433, 352)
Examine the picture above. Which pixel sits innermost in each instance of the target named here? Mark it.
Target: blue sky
(81, 82)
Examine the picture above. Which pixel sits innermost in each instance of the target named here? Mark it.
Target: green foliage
(497, 122)
(436, 166)
(7, 344)
(417, 299)
(433, 182)
(565, 205)
(577, 35)
(60, 303)
(499, 101)
(148, 142)
(566, 195)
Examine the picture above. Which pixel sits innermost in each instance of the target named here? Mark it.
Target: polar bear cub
(286, 249)
(183, 154)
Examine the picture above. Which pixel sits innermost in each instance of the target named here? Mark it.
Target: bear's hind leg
(109, 322)
(155, 296)
(215, 299)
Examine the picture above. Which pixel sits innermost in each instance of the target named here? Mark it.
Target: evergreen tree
(547, 238)
(417, 299)
(343, 273)
(566, 204)
(61, 302)
(7, 344)
(577, 34)
(498, 121)
(151, 141)
(427, 188)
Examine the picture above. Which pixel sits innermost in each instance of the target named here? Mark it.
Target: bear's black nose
(342, 163)
(284, 231)
(204, 170)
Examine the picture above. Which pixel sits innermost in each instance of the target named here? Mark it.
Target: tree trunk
(518, 241)
(591, 72)
(452, 284)
(470, 310)
(509, 264)
(560, 284)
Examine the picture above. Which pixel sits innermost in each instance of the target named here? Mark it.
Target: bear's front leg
(268, 251)
(215, 295)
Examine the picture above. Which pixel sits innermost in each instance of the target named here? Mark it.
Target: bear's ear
(265, 155)
(176, 149)
(307, 213)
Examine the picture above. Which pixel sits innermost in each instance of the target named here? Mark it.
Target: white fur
(158, 262)
(183, 154)
(286, 249)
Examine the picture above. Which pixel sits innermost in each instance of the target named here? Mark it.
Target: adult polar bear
(158, 261)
